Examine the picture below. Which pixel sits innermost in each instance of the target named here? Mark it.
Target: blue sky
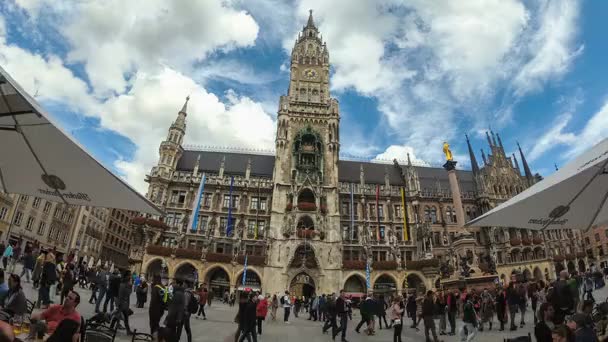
(408, 74)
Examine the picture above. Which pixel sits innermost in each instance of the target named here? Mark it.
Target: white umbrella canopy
(37, 158)
(573, 197)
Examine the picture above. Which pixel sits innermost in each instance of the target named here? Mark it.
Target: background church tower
(305, 219)
(170, 151)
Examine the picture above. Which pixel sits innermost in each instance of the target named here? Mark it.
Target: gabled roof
(348, 171)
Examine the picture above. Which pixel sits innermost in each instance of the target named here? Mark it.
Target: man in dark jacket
(381, 307)
(330, 315)
(513, 300)
(188, 295)
(101, 283)
(428, 311)
(411, 307)
(28, 265)
(247, 319)
(562, 299)
(501, 307)
(113, 288)
(452, 308)
(176, 313)
(342, 312)
(123, 302)
(366, 309)
(157, 304)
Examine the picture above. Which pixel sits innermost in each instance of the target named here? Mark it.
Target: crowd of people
(563, 310)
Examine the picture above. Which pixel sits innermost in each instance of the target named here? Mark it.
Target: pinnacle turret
(474, 165)
(527, 171)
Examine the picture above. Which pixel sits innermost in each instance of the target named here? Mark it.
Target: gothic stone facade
(291, 213)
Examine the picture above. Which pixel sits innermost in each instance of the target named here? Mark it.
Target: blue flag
(367, 281)
(245, 271)
(229, 227)
(196, 206)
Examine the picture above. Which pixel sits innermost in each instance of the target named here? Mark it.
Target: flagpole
(229, 227)
(352, 211)
(257, 212)
(406, 236)
(378, 211)
(244, 271)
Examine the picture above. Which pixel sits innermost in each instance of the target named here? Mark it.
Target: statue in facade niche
(287, 225)
(465, 270)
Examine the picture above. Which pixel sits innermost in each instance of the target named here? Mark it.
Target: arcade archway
(571, 267)
(157, 268)
(302, 285)
(581, 265)
(414, 282)
(527, 275)
(252, 281)
(187, 272)
(219, 282)
(538, 274)
(355, 284)
(385, 285)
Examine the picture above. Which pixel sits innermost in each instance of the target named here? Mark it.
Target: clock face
(310, 74)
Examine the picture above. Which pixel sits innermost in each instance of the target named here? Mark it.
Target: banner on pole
(196, 206)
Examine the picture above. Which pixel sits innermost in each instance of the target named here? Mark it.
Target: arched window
(448, 214)
(434, 215)
(427, 214)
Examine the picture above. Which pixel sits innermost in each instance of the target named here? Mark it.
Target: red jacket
(262, 308)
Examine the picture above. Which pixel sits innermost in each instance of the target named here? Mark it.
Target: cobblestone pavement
(219, 325)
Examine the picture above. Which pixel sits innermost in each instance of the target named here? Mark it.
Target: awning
(573, 197)
(37, 158)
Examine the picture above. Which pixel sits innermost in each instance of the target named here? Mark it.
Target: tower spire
(525, 165)
(185, 106)
(516, 163)
(483, 156)
(493, 137)
(474, 164)
(311, 22)
(489, 140)
(499, 141)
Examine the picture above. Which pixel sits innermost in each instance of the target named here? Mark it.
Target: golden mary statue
(446, 151)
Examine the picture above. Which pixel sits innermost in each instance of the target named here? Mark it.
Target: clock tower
(305, 222)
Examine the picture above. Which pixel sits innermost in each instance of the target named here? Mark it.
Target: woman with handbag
(395, 315)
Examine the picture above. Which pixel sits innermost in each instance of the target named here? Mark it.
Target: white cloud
(576, 143)
(147, 110)
(115, 39)
(552, 46)
(401, 153)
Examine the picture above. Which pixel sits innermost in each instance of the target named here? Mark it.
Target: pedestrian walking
(286, 302)
(523, 303)
(141, 292)
(202, 300)
(177, 311)
(69, 279)
(28, 266)
(342, 312)
(190, 307)
(487, 309)
(123, 302)
(274, 307)
(47, 280)
(452, 309)
(7, 255)
(381, 307)
(588, 287)
(112, 293)
(501, 307)
(428, 311)
(561, 298)
(412, 307)
(440, 310)
(158, 304)
(331, 317)
(513, 303)
(37, 273)
(544, 326)
(100, 282)
(314, 306)
(395, 315)
(469, 319)
(261, 311)
(366, 311)
(247, 318)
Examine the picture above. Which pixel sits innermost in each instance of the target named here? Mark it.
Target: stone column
(450, 166)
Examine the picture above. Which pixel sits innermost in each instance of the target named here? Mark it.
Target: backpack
(164, 294)
(282, 300)
(192, 303)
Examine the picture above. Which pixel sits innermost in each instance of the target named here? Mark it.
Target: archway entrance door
(385, 285)
(187, 273)
(219, 282)
(302, 285)
(252, 282)
(157, 268)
